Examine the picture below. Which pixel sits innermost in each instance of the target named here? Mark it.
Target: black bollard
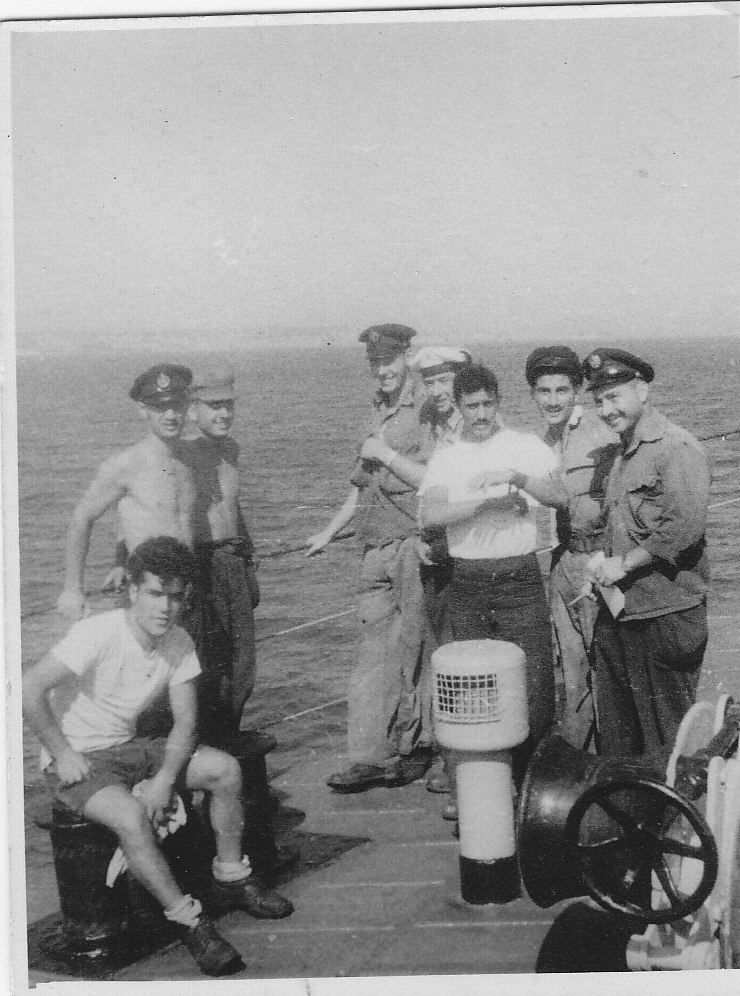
(94, 916)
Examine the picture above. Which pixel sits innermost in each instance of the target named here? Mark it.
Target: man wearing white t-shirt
(82, 701)
(482, 489)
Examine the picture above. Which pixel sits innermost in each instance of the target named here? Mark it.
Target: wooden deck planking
(387, 902)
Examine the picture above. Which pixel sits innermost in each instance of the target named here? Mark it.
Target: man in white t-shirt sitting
(82, 701)
(482, 488)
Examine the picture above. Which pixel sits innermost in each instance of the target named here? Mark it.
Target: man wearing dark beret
(651, 630)
(586, 449)
(151, 482)
(388, 742)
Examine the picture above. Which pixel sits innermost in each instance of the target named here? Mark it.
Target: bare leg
(116, 808)
(218, 773)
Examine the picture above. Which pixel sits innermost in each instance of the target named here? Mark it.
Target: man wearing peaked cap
(151, 482)
(225, 556)
(615, 366)
(389, 741)
(586, 450)
(161, 384)
(386, 340)
(437, 366)
(651, 630)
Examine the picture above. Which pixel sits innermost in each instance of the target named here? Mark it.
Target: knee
(226, 776)
(131, 821)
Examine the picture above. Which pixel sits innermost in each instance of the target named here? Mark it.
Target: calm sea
(298, 420)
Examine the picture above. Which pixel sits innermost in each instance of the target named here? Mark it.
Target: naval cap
(604, 367)
(162, 383)
(432, 360)
(386, 341)
(214, 382)
(553, 360)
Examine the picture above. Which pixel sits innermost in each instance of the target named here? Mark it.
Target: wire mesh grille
(468, 698)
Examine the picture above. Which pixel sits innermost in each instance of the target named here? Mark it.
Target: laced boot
(252, 896)
(213, 955)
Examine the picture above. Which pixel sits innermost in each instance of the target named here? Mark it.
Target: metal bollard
(94, 917)
(480, 713)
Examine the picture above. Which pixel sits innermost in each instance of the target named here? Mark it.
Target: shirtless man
(224, 551)
(151, 482)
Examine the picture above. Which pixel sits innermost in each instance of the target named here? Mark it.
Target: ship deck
(377, 890)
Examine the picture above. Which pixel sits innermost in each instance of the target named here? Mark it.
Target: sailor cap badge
(163, 382)
(594, 361)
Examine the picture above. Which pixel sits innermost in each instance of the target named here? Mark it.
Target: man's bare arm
(406, 469)
(108, 488)
(436, 509)
(178, 750)
(38, 681)
(342, 518)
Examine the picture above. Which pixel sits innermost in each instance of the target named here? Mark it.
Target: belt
(236, 545)
(585, 544)
(496, 565)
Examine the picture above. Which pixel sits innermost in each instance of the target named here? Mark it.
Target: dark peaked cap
(386, 340)
(162, 383)
(553, 360)
(604, 367)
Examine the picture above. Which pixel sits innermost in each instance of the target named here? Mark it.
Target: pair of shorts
(125, 765)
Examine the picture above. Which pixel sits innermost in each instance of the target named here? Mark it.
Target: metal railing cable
(283, 551)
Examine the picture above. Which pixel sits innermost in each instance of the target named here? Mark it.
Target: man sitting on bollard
(481, 488)
(101, 676)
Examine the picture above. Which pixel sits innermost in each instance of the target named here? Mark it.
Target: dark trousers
(222, 627)
(505, 600)
(647, 672)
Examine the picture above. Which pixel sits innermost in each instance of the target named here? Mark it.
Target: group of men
(130, 708)
(444, 496)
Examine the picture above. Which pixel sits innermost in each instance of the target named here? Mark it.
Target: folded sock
(187, 912)
(231, 871)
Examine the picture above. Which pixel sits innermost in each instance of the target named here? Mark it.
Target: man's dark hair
(162, 556)
(474, 378)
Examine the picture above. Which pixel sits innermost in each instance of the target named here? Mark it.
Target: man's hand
(156, 795)
(72, 604)
(424, 552)
(316, 543)
(606, 571)
(71, 767)
(375, 449)
(114, 580)
(490, 479)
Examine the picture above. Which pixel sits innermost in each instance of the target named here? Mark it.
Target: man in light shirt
(82, 701)
(482, 489)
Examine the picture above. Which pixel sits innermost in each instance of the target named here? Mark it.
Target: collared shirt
(386, 508)
(657, 498)
(444, 428)
(587, 449)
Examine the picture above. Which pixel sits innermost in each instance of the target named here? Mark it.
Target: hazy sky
(552, 176)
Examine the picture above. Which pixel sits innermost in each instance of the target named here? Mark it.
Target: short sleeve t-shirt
(490, 533)
(113, 679)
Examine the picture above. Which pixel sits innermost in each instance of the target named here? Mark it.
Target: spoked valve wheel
(624, 830)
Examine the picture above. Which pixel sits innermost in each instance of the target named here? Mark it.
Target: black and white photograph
(370, 491)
